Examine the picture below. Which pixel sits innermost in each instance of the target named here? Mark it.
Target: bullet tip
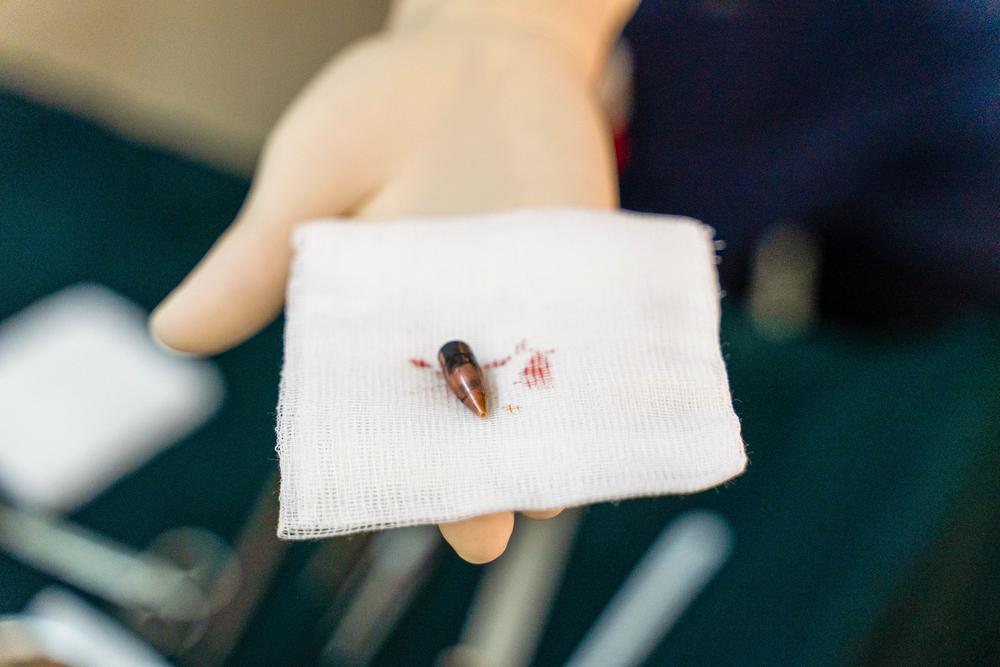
(479, 402)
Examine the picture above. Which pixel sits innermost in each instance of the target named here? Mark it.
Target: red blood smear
(498, 363)
(537, 373)
(420, 363)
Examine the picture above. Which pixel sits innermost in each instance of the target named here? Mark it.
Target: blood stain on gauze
(497, 363)
(538, 371)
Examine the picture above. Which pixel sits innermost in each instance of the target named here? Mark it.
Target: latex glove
(457, 108)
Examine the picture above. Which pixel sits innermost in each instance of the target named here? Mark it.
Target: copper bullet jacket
(463, 374)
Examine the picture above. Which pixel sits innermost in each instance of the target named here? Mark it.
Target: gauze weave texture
(597, 332)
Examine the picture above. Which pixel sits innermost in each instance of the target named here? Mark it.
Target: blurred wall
(206, 78)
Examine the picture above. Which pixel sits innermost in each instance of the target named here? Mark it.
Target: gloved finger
(480, 539)
(312, 167)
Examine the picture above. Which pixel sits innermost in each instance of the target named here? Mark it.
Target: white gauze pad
(597, 332)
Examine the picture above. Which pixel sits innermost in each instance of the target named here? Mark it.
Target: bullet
(463, 375)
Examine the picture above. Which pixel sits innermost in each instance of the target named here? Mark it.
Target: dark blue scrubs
(875, 124)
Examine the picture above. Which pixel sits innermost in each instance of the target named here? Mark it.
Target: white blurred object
(88, 396)
(675, 569)
(67, 629)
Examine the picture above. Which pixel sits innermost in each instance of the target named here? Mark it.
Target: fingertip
(172, 330)
(155, 328)
(541, 515)
(481, 539)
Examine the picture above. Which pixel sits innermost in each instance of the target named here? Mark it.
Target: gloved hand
(457, 108)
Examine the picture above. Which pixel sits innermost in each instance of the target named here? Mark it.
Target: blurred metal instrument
(515, 595)
(679, 564)
(399, 564)
(784, 284)
(145, 581)
(260, 553)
